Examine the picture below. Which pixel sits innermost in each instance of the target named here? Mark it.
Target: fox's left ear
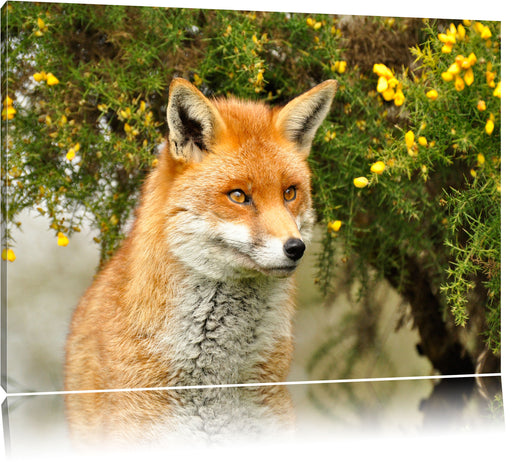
(301, 117)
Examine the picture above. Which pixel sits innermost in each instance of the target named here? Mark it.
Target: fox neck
(221, 331)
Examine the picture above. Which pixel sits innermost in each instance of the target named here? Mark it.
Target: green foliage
(438, 200)
(79, 149)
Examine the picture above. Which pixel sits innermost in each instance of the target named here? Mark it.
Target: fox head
(240, 200)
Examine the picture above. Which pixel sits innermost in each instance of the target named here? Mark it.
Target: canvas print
(215, 220)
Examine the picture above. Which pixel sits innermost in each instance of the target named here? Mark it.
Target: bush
(406, 168)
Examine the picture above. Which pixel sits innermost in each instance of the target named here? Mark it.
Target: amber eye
(290, 194)
(238, 196)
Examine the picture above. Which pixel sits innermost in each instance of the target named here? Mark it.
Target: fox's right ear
(193, 121)
(301, 117)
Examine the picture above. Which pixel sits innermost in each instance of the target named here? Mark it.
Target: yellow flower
(412, 149)
(473, 172)
(148, 118)
(489, 77)
(378, 167)
(472, 59)
(480, 159)
(125, 113)
(387, 83)
(481, 106)
(51, 79)
(399, 98)
(62, 240)
(339, 67)
(336, 32)
(334, 226)
(72, 151)
(409, 139)
(198, 80)
(454, 68)
(459, 83)
(393, 82)
(388, 94)
(8, 254)
(8, 113)
(7, 101)
(461, 63)
(382, 84)
(497, 90)
(461, 32)
(259, 77)
(432, 95)
(313, 23)
(360, 182)
(446, 76)
(489, 126)
(71, 154)
(447, 38)
(329, 135)
(382, 71)
(469, 77)
(423, 141)
(485, 32)
(42, 27)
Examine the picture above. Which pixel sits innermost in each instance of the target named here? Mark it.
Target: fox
(190, 323)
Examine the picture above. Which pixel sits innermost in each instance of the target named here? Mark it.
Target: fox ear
(299, 120)
(193, 121)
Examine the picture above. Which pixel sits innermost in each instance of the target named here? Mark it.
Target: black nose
(294, 248)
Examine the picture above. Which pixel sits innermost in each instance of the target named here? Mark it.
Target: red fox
(201, 291)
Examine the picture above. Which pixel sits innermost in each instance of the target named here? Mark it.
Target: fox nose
(294, 248)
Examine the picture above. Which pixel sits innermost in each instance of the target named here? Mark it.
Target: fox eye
(238, 197)
(290, 194)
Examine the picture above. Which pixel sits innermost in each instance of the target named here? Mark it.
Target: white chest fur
(218, 334)
(220, 330)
